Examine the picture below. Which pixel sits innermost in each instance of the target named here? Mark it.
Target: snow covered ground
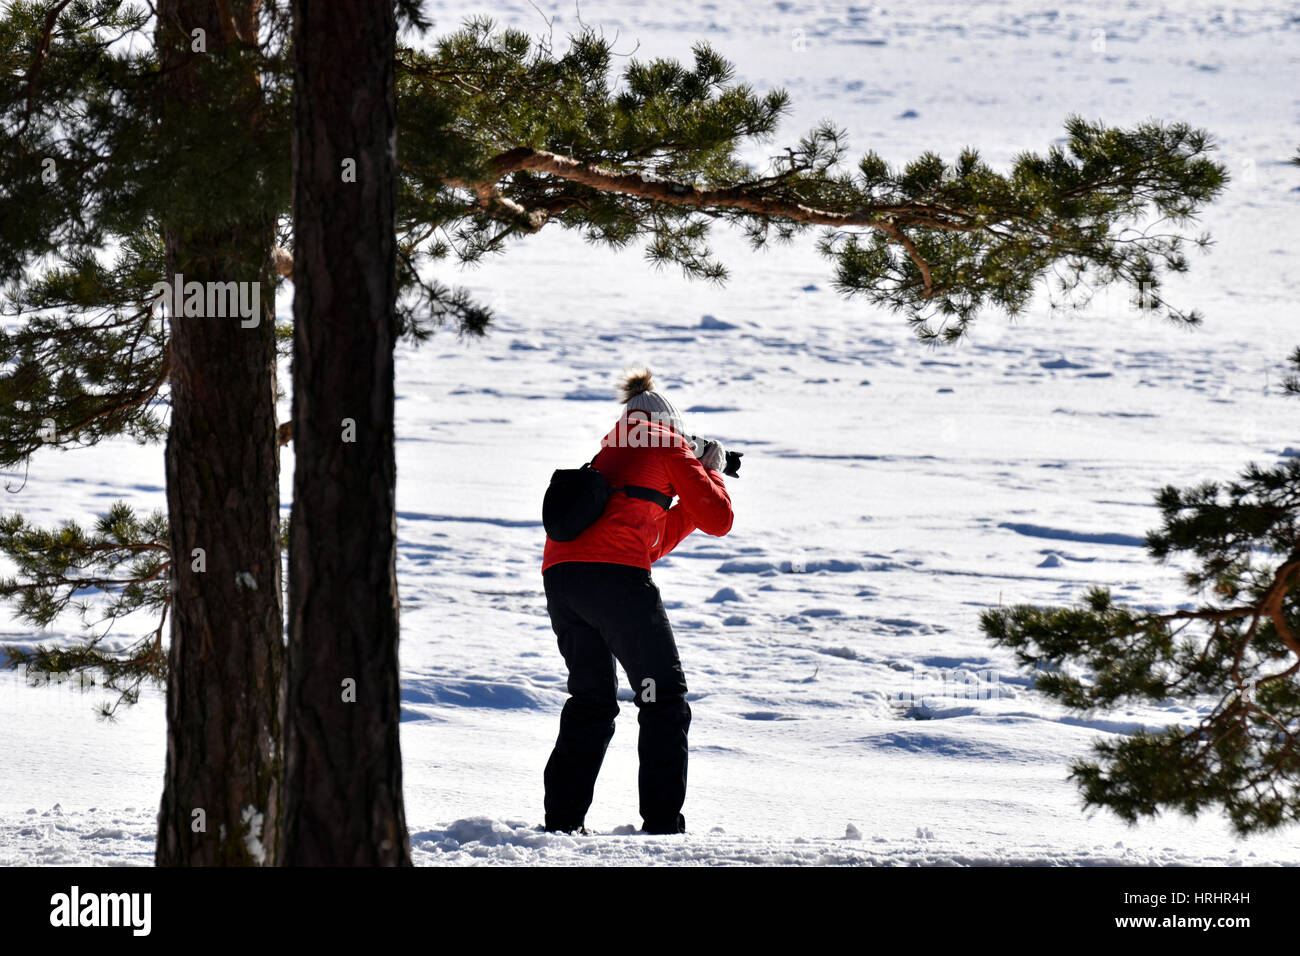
(914, 487)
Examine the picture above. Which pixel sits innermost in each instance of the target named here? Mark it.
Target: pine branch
(1291, 384)
(32, 78)
(125, 557)
(1244, 753)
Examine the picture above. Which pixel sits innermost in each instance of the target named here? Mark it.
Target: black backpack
(577, 497)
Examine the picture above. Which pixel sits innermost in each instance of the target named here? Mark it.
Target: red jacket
(637, 532)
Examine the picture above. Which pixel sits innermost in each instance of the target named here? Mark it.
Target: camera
(732, 467)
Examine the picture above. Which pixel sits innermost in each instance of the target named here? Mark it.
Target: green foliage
(66, 107)
(1291, 384)
(1120, 650)
(1103, 208)
(124, 558)
(104, 574)
(87, 180)
(480, 93)
(1106, 207)
(1237, 649)
(90, 363)
(1227, 526)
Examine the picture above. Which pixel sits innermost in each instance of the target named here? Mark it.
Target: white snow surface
(890, 491)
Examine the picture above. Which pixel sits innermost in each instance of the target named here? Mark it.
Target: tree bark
(220, 797)
(343, 772)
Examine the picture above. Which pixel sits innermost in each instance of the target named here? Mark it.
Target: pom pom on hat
(637, 391)
(635, 382)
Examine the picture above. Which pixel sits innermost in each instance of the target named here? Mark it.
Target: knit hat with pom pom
(638, 393)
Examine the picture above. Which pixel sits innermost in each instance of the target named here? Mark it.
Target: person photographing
(605, 607)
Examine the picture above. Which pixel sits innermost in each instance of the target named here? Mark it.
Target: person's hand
(714, 455)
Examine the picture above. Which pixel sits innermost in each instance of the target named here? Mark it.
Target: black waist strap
(649, 494)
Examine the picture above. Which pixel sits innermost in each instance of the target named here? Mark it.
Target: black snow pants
(601, 612)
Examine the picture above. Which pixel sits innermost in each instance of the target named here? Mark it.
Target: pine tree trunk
(343, 770)
(220, 798)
